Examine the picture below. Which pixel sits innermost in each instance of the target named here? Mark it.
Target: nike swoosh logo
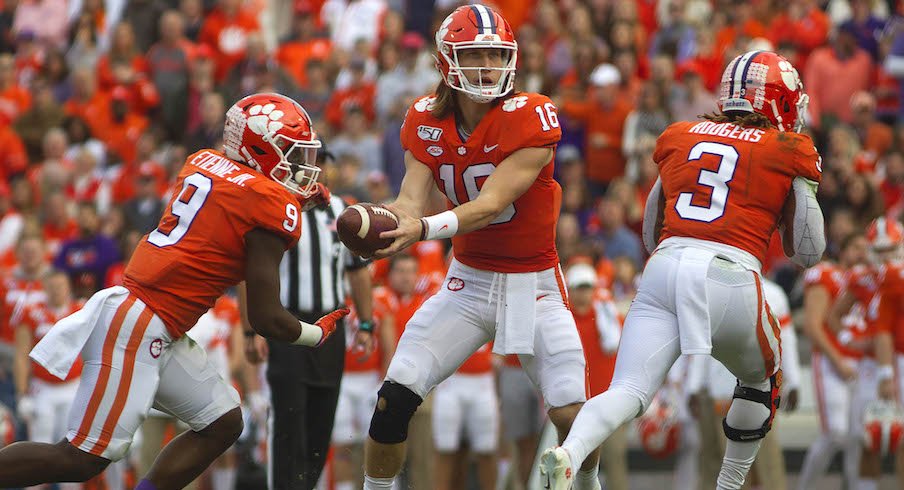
(487, 149)
(542, 296)
(444, 227)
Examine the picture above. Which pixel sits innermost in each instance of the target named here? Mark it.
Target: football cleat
(555, 469)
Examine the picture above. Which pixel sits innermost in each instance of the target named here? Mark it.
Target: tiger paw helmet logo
(514, 103)
(265, 119)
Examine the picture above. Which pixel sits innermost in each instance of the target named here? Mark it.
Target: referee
(304, 381)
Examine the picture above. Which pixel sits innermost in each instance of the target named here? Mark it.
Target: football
(359, 227)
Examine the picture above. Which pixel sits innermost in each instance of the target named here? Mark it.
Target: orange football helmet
(886, 240)
(883, 427)
(273, 134)
(659, 429)
(768, 84)
(469, 27)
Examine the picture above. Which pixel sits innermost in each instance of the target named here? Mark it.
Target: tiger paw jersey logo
(425, 104)
(514, 103)
(265, 119)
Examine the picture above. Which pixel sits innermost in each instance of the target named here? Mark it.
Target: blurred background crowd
(101, 101)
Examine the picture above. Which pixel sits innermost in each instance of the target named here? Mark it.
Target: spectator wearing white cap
(602, 115)
(599, 326)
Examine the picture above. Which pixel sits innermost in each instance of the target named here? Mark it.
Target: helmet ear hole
(258, 150)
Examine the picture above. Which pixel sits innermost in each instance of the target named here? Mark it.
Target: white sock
(346, 485)
(374, 483)
(596, 421)
(587, 479)
(817, 460)
(223, 478)
(867, 484)
(734, 469)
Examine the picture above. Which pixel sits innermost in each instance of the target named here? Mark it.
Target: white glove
(25, 408)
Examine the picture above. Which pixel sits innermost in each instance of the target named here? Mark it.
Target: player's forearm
(839, 309)
(21, 363)
(362, 292)
(274, 323)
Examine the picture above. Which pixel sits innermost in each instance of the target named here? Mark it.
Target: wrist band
(366, 326)
(885, 372)
(442, 225)
(310, 335)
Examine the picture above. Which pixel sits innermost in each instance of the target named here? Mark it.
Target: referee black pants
(303, 408)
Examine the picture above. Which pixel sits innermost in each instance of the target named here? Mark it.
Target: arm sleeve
(279, 213)
(534, 122)
(809, 241)
(651, 217)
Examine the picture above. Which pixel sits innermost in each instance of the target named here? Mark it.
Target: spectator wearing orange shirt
(13, 160)
(599, 326)
(57, 223)
(124, 66)
(802, 24)
(875, 137)
(603, 118)
(226, 29)
(14, 99)
(359, 92)
(122, 128)
(303, 44)
(87, 103)
(833, 74)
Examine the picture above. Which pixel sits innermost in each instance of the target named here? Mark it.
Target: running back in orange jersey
(522, 237)
(728, 184)
(198, 250)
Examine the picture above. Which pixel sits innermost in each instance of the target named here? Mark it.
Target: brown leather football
(359, 227)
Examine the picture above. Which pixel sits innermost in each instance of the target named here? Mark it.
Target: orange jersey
(522, 237)
(198, 249)
(890, 307)
(834, 280)
(600, 364)
(728, 184)
(39, 319)
(388, 302)
(480, 362)
(357, 361)
(863, 283)
(18, 295)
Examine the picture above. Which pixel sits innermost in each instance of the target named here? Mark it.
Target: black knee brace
(395, 407)
(770, 399)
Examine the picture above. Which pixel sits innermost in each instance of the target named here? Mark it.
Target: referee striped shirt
(312, 273)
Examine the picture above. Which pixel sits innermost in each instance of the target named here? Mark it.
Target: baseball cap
(580, 275)
(412, 40)
(604, 75)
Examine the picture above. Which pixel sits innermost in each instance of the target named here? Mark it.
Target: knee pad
(770, 399)
(396, 405)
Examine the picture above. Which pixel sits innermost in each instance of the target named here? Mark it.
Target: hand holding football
(359, 227)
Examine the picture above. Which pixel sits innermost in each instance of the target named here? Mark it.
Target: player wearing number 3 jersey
(725, 184)
(232, 216)
(491, 152)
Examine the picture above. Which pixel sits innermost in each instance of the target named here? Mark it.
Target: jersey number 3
(717, 181)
